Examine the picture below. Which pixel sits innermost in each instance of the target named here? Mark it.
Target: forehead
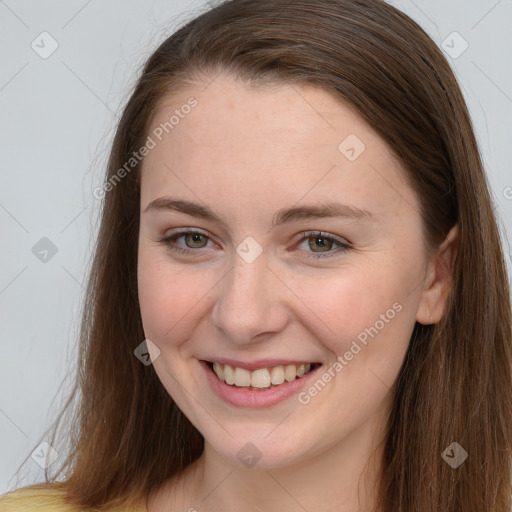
(279, 144)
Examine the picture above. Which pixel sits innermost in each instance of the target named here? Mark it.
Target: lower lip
(247, 398)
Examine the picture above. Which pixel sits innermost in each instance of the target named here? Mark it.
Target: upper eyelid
(304, 233)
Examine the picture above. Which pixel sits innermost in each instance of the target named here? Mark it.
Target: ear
(438, 280)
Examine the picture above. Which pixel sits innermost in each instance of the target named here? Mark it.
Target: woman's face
(256, 287)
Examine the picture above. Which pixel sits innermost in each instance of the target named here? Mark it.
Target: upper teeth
(261, 378)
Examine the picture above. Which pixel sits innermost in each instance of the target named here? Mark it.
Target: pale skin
(246, 153)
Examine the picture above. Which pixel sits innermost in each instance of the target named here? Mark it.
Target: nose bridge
(247, 303)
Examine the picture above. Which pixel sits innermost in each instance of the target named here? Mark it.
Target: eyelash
(343, 246)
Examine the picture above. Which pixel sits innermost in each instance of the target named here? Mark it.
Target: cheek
(347, 302)
(371, 332)
(168, 297)
(365, 316)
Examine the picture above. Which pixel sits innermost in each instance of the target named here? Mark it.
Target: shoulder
(36, 498)
(46, 497)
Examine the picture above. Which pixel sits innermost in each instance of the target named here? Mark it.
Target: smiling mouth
(261, 379)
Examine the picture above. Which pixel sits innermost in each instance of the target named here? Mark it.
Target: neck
(342, 479)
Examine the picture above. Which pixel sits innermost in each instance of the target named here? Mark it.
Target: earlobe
(438, 280)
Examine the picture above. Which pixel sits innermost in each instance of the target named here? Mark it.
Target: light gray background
(56, 122)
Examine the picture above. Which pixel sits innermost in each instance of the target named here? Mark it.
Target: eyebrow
(285, 215)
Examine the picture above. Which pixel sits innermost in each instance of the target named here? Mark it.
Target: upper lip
(257, 364)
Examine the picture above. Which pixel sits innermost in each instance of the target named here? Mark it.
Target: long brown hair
(126, 435)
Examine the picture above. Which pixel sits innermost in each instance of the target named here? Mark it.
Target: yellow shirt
(26, 499)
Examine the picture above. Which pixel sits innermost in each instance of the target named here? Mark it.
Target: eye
(193, 238)
(324, 241)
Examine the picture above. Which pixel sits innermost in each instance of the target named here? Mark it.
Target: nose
(250, 302)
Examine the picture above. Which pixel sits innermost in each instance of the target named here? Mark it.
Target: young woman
(299, 299)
